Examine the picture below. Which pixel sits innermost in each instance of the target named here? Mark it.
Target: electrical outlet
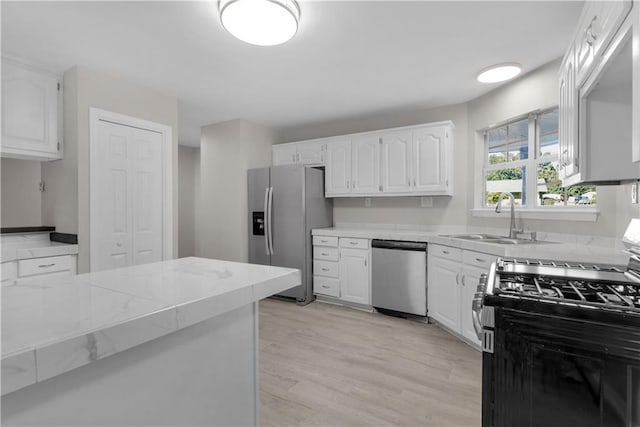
(634, 193)
(426, 202)
(367, 202)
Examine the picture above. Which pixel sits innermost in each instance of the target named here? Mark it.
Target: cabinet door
(354, 276)
(568, 119)
(311, 153)
(365, 164)
(283, 154)
(588, 32)
(29, 113)
(469, 282)
(337, 173)
(443, 292)
(430, 160)
(396, 162)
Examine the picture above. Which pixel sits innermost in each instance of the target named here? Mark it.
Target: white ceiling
(348, 60)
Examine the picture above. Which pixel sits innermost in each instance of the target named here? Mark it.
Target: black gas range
(561, 343)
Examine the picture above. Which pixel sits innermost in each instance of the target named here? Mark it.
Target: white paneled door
(127, 195)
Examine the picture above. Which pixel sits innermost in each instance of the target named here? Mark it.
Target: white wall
(402, 210)
(21, 201)
(227, 151)
(188, 188)
(535, 90)
(66, 200)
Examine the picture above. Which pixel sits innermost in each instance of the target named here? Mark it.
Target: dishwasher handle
(399, 245)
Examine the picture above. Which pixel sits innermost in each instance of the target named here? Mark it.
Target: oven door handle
(476, 306)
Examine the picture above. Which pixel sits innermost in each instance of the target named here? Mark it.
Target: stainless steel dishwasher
(399, 276)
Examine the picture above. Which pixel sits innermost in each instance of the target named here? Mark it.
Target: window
(522, 157)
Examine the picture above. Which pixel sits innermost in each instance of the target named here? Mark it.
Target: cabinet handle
(414, 182)
(462, 281)
(365, 262)
(409, 182)
(119, 245)
(293, 157)
(324, 254)
(46, 265)
(458, 279)
(446, 252)
(480, 260)
(325, 269)
(347, 183)
(324, 241)
(353, 243)
(325, 286)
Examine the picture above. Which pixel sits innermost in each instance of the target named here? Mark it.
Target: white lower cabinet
(453, 279)
(27, 270)
(354, 276)
(342, 269)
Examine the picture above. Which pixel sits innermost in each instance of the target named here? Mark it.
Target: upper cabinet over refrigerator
(599, 96)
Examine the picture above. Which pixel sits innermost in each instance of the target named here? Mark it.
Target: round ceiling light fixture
(499, 72)
(260, 22)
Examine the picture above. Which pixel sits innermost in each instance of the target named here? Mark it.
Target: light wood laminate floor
(327, 365)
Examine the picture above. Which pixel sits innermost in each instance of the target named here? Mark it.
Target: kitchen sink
(475, 236)
(500, 240)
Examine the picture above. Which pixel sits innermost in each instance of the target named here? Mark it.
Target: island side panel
(205, 374)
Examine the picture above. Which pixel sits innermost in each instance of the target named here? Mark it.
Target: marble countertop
(33, 245)
(564, 247)
(54, 325)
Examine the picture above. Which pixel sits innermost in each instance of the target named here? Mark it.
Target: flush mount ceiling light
(499, 73)
(260, 22)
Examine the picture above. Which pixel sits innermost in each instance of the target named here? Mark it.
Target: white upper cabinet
(31, 112)
(599, 96)
(284, 154)
(568, 120)
(310, 153)
(597, 26)
(396, 162)
(365, 164)
(338, 167)
(431, 160)
(411, 161)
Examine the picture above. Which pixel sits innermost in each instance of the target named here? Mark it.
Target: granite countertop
(54, 325)
(33, 245)
(564, 247)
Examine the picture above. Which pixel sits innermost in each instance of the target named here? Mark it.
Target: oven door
(552, 371)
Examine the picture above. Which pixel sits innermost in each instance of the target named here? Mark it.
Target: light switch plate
(634, 193)
(367, 202)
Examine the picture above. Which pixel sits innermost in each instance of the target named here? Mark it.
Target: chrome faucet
(512, 225)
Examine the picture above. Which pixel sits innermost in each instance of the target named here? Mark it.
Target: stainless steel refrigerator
(285, 203)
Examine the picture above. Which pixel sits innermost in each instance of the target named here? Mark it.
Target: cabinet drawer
(324, 253)
(347, 242)
(29, 267)
(325, 241)
(325, 268)
(478, 259)
(326, 286)
(447, 252)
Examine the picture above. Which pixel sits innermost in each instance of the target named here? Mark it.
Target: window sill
(560, 214)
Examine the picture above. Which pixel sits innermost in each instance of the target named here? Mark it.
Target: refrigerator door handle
(270, 220)
(266, 220)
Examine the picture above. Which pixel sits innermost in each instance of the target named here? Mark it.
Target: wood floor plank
(327, 365)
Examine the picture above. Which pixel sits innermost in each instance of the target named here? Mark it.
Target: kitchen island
(167, 343)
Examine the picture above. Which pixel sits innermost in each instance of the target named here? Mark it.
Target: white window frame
(530, 210)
